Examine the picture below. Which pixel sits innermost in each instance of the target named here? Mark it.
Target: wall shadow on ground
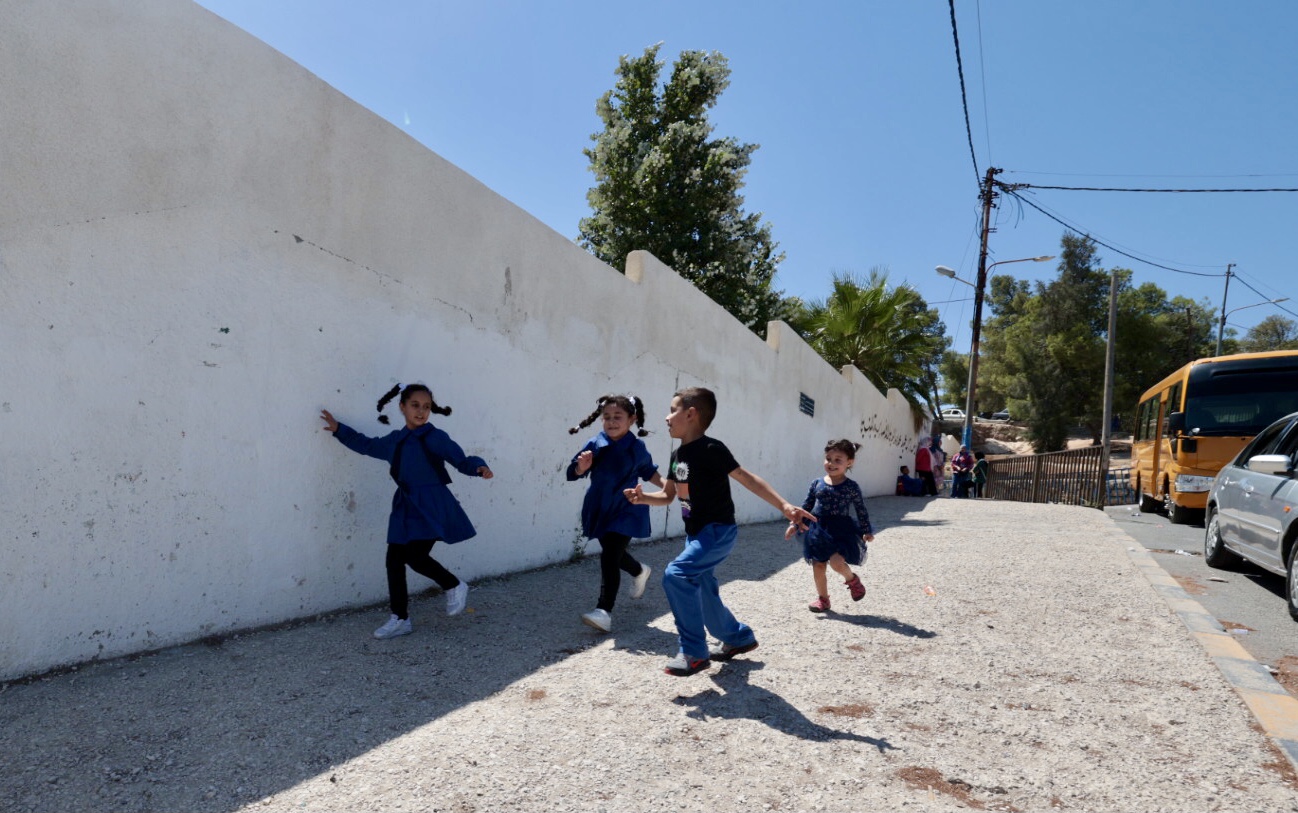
(216, 725)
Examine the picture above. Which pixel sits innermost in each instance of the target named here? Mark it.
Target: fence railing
(1071, 478)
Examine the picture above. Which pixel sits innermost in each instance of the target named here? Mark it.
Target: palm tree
(889, 334)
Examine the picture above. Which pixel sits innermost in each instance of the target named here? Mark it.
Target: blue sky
(864, 159)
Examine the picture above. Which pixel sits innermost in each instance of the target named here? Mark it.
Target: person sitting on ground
(908, 486)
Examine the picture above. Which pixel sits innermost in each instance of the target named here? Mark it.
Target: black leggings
(613, 559)
(415, 554)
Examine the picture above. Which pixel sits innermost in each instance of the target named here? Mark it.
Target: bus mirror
(1176, 423)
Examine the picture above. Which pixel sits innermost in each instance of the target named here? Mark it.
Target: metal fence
(1071, 478)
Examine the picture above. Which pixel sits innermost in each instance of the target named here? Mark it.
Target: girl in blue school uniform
(423, 509)
(837, 540)
(615, 459)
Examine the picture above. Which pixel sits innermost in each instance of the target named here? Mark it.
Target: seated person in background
(908, 486)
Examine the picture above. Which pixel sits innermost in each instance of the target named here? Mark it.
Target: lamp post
(1221, 326)
(977, 330)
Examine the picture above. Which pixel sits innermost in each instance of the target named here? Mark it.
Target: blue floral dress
(835, 530)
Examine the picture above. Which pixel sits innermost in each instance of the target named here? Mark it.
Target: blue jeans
(695, 597)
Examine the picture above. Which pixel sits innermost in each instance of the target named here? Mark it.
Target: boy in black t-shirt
(698, 475)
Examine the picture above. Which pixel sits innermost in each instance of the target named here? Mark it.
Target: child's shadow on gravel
(744, 701)
(882, 622)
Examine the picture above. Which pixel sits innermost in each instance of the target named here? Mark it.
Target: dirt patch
(1286, 674)
(932, 780)
(1191, 585)
(1281, 766)
(1234, 625)
(854, 710)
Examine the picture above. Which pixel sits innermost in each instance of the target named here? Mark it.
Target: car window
(1288, 445)
(1262, 444)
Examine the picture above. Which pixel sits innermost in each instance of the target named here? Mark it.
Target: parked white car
(952, 414)
(1251, 507)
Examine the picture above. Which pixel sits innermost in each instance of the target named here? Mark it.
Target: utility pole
(1221, 326)
(1106, 434)
(988, 196)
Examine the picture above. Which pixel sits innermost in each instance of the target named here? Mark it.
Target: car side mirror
(1274, 464)
(1175, 423)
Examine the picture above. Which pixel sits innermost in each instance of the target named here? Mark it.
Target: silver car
(1253, 504)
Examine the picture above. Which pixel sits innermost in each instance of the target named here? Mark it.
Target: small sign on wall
(806, 404)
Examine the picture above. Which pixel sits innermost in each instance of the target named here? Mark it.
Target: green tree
(665, 185)
(1273, 333)
(954, 369)
(889, 334)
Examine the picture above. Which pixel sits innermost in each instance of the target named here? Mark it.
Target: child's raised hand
(868, 537)
(790, 531)
(330, 424)
(485, 473)
(797, 517)
(584, 461)
(633, 495)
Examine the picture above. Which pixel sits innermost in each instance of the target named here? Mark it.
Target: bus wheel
(1176, 514)
(1148, 504)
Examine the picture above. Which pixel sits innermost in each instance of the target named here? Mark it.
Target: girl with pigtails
(423, 509)
(615, 459)
(837, 540)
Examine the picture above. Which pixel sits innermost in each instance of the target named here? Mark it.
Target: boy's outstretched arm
(761, 488)
(637, 495)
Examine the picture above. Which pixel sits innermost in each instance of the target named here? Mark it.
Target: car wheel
(1291, 582)
(1215, 553)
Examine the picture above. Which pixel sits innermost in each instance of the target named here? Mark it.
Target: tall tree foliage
(889, 334)
(1273, 333)
(665, 185)
(1044, 348)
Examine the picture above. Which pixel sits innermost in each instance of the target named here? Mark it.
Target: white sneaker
(599, 619)
(394, 627)
(456, 598)
(641, 581)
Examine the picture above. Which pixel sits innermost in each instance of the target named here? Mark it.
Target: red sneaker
(856, 588)
(820, 605)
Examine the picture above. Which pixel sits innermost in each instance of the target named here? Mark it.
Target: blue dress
(619, 464)
(422, 507)
(835, 530)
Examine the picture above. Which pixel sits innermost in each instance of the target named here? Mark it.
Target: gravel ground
(1040, 672)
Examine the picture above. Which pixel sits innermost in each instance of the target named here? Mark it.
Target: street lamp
(977, 329)
(1221, 327)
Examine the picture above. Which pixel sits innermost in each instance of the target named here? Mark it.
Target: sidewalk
(1045, 672)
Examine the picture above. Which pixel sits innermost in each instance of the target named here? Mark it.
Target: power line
(1143, 175)
(964, 99)
(1121, 189)
(1265, 297)
(1010, 189)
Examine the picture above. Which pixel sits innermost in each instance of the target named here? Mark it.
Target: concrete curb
(1274, 708)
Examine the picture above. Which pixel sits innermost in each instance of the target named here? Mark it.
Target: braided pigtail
(387, 396)
(638, 415)
(589, 419)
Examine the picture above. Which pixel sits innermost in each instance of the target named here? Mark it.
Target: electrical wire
(1011, 190)
(964, 99)
(1121, 189)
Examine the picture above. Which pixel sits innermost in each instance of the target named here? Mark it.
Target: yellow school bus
(1197, 419)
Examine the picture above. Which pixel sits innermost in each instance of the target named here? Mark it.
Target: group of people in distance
(968, 472)
(833, 521)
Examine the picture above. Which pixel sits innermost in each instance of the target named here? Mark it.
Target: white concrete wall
(202, 245)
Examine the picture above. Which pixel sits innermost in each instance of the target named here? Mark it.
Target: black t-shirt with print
(701, 470)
